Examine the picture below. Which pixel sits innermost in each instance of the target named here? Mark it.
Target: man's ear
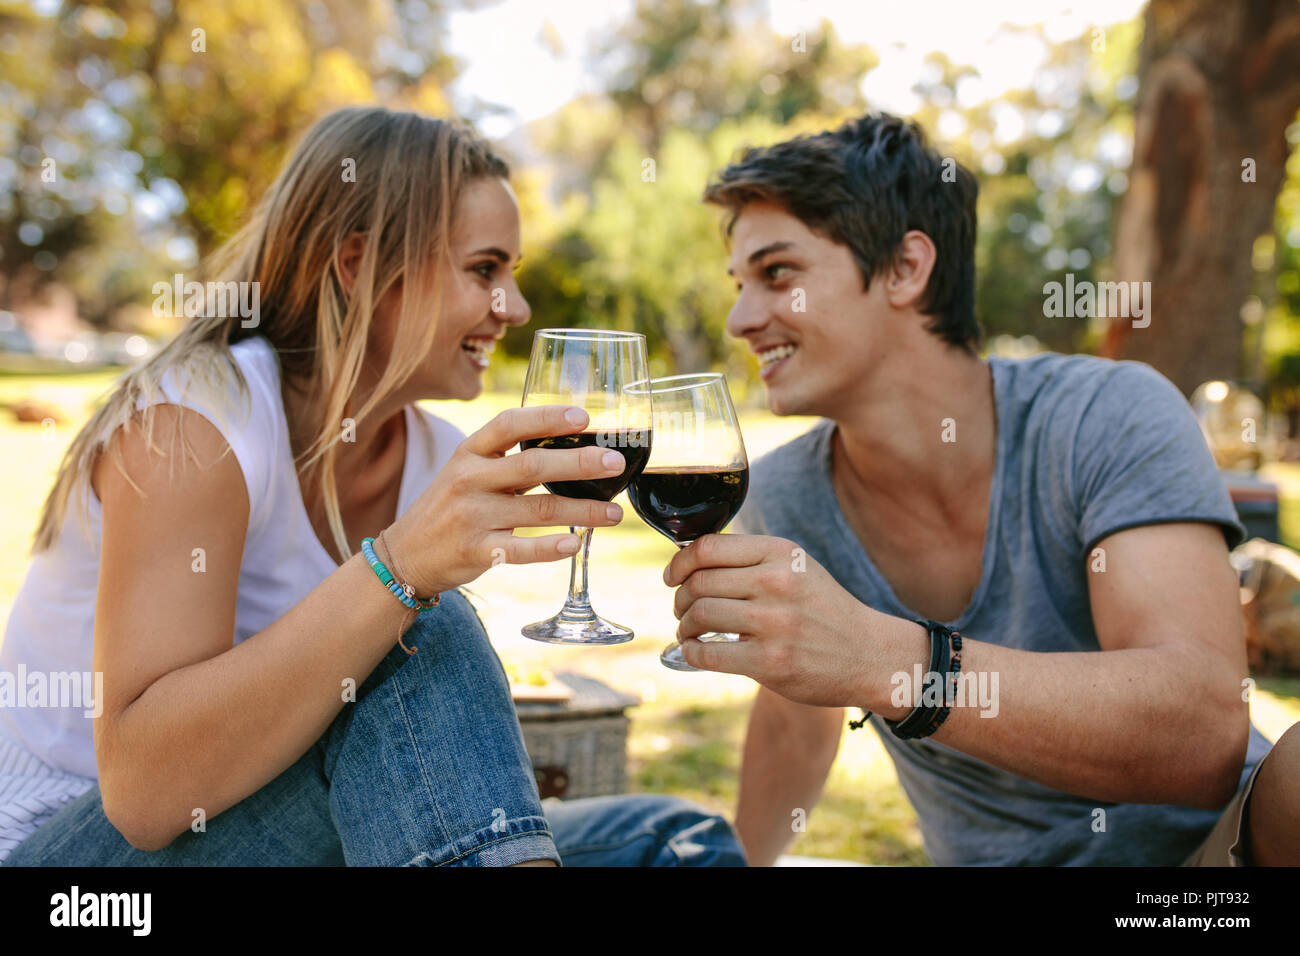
(909, 274)
(349, 260)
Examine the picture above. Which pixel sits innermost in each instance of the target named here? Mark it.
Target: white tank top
(50, 635)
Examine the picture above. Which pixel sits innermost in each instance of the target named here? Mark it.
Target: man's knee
(642, 830)
(695, 836)
(1274, 808)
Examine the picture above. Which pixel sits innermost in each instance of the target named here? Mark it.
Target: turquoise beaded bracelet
(386, 578)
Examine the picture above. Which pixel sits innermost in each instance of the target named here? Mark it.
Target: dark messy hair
(865, 185)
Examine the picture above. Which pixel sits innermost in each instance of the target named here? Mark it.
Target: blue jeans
(426, 768)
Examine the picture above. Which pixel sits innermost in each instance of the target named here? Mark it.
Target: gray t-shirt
(1085, 447)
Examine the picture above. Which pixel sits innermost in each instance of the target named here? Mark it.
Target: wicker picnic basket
(578, 747)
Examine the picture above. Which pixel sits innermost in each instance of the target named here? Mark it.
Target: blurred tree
(1220, 83)
(689, 83)
(686, 64)
(163, 118)
(1272, 314)
(1050, 161)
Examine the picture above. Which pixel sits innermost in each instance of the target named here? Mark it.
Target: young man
(1061, 513)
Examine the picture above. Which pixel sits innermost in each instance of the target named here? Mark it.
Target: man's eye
(773, 271)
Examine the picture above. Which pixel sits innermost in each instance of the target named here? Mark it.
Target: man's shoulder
(1050, 372)
(1050, 385)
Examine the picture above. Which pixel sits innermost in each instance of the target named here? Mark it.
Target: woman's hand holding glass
(462, 523)
(596, 369)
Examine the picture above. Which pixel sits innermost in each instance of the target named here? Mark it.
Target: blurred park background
(1117, 140)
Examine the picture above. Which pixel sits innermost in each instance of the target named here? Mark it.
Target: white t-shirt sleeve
(246, 422)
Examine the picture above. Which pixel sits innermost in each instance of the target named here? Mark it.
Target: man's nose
(746, 316)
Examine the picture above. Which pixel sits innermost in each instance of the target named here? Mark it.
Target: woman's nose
(521, 312)
(514, 308)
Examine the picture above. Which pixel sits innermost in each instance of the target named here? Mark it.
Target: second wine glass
(698, 472)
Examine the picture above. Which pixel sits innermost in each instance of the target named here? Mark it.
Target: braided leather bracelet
(945, 659)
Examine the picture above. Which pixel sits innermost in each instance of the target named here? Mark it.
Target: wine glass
(698, 473)
(592, 370)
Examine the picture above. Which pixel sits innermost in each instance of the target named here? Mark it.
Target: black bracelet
(938, 667)
(922, 716)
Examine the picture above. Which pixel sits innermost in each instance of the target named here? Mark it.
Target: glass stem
(578, 600)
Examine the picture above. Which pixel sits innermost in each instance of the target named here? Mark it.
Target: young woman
(257, 704)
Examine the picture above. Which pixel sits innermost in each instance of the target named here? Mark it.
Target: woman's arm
(192, 722)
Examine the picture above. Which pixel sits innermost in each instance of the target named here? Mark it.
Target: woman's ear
(349, 260)
(910, 272)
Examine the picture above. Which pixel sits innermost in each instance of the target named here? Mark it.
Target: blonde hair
(408, 173)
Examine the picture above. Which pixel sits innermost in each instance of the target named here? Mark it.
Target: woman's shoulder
(218, 377)
(237, 390)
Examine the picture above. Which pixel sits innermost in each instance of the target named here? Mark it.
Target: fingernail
(612, 460)
(575, 416)
(614, 512)
(568, 545)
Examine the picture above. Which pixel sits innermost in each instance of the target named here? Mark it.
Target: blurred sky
(508, 62)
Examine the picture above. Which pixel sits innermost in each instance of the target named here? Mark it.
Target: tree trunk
(1218, 85)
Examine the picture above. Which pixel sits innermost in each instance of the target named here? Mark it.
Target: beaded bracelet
(397, 573)
(381, 572)
(954, 671)
(402, 591)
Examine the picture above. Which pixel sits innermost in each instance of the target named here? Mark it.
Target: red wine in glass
(632, 444)
(688, 502)
(698, 473)
(592, 369)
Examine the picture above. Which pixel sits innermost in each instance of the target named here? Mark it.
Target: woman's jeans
(426, 768)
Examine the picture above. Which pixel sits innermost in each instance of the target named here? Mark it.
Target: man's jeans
(427, 768)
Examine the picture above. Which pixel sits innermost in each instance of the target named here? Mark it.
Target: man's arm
(789, 750)
(1157, 716)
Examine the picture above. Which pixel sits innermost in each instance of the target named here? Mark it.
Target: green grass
(687, 732)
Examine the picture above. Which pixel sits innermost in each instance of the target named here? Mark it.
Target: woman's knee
(451, 633)
(446, 643)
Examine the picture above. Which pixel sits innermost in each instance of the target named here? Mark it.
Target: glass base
(580, 626)
(672, 654)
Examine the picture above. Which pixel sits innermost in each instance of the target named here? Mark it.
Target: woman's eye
(486, 269)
